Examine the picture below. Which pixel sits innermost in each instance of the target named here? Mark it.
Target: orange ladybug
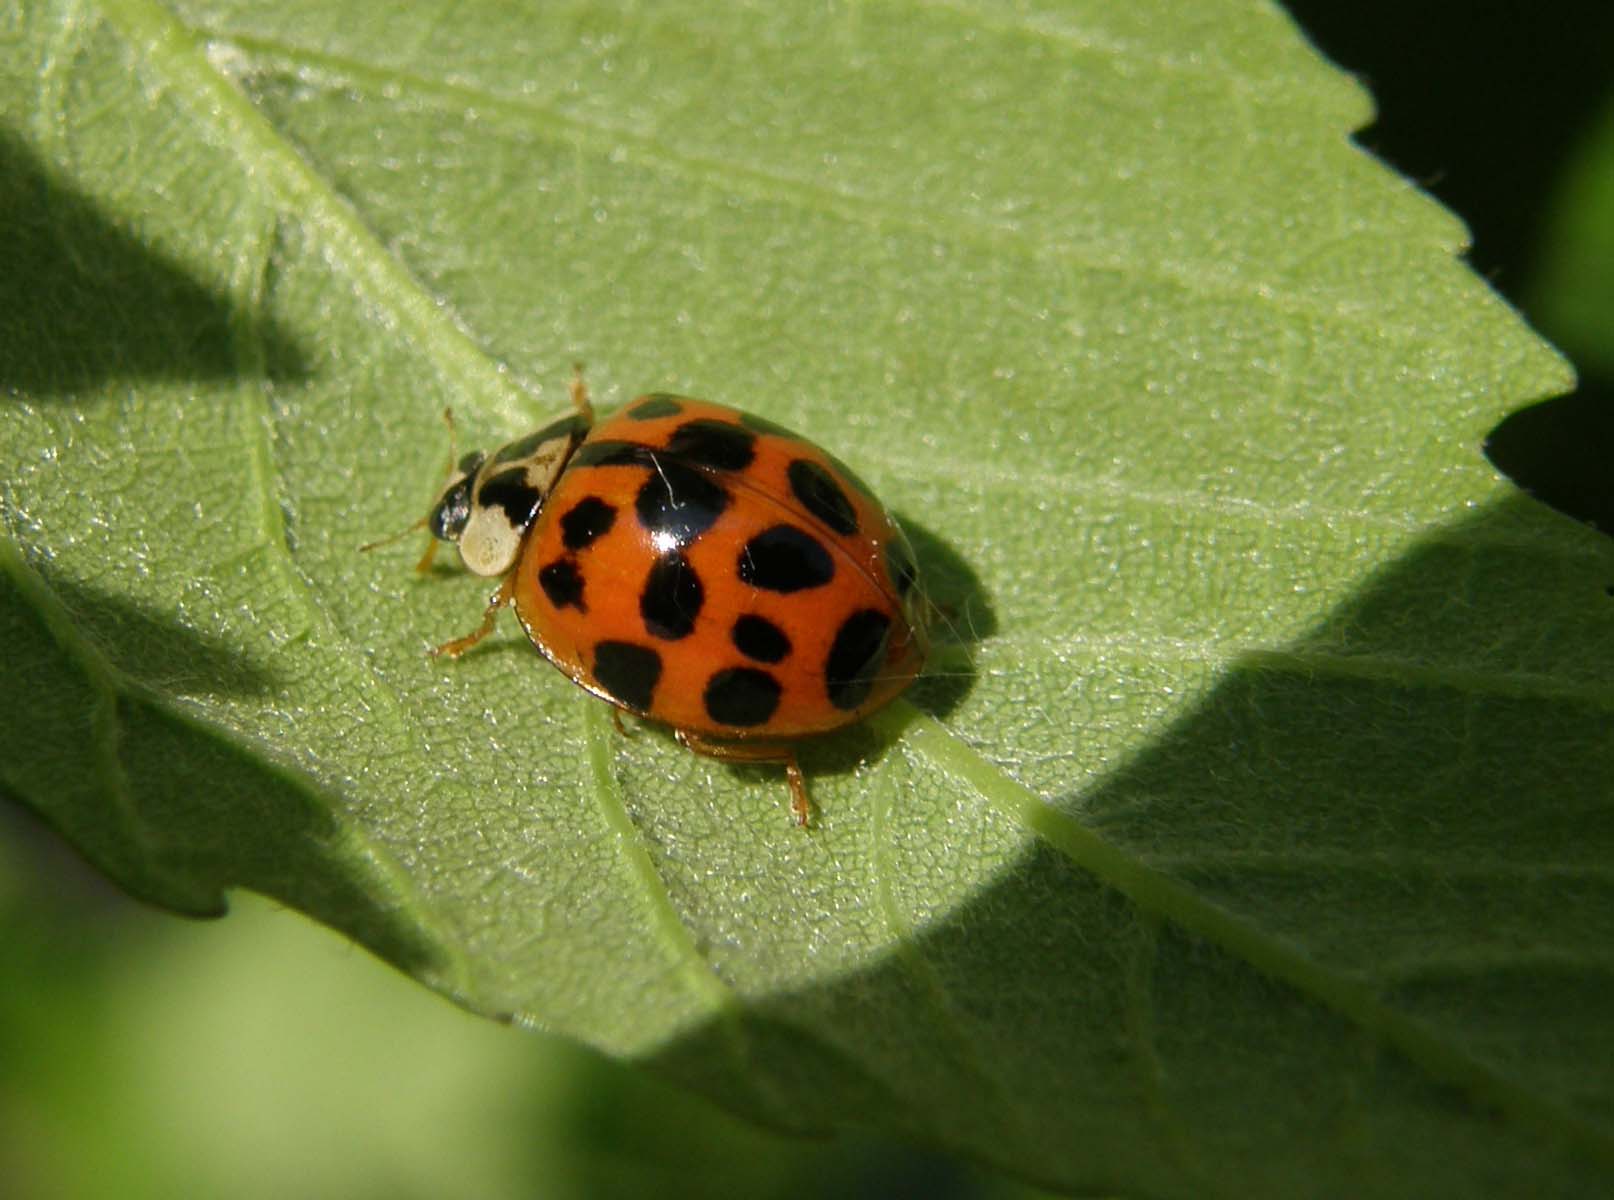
(695, 565)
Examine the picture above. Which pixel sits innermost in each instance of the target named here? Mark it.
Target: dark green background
(1483, 105)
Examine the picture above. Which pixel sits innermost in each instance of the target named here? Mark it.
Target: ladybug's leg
(800, 806)
(782, 753)
(579, 392)
(500, 598)
(425, 563)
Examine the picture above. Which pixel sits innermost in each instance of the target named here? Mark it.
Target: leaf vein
(1006, 1100)
(665, 921)
(1138, 1013)
(1367, 667)
(1101, 43)
(806, 191)
(1354, 999)
(391, 291)
(253, 267)
(108, 683)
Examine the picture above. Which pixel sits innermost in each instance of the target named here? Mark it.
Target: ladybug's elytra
(696, 565)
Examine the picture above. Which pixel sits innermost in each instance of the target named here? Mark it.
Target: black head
(453, 508)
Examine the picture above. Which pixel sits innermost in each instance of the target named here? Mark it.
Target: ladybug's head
(490, 501)
(449, 515)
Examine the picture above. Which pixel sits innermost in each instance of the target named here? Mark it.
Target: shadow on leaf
(100, 740)
(962, 615)
(158, 650)
(83, 302)
(1409, 812)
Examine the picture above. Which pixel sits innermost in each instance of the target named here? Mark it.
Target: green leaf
(1252, 834)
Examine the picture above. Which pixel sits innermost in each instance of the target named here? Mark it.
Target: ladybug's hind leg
(782, 753)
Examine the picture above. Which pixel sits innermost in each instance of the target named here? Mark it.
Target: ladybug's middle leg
(499, 599)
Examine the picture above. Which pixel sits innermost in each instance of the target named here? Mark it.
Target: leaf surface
(1252, 832)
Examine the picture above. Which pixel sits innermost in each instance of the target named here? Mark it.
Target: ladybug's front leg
(579, 394)
(499, 599)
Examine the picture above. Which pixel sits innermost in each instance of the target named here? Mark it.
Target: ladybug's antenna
(453, 443)
(425, 563)
(397, 537)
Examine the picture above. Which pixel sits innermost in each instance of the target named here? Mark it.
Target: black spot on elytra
(785, 559)
(842, 471)
(609, 452)
(562, 584)
(715, 444)
(899, 566)
(672, 597)
(758, 638)
(524, 446)
(657, 404)
(679, 502)
(628, 672)
(741, 696)
(763, 425)
(821, 495)
(588, 519)
(510, 491)
(855, 657)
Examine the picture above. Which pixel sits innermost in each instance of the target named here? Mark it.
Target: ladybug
(695, 565)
